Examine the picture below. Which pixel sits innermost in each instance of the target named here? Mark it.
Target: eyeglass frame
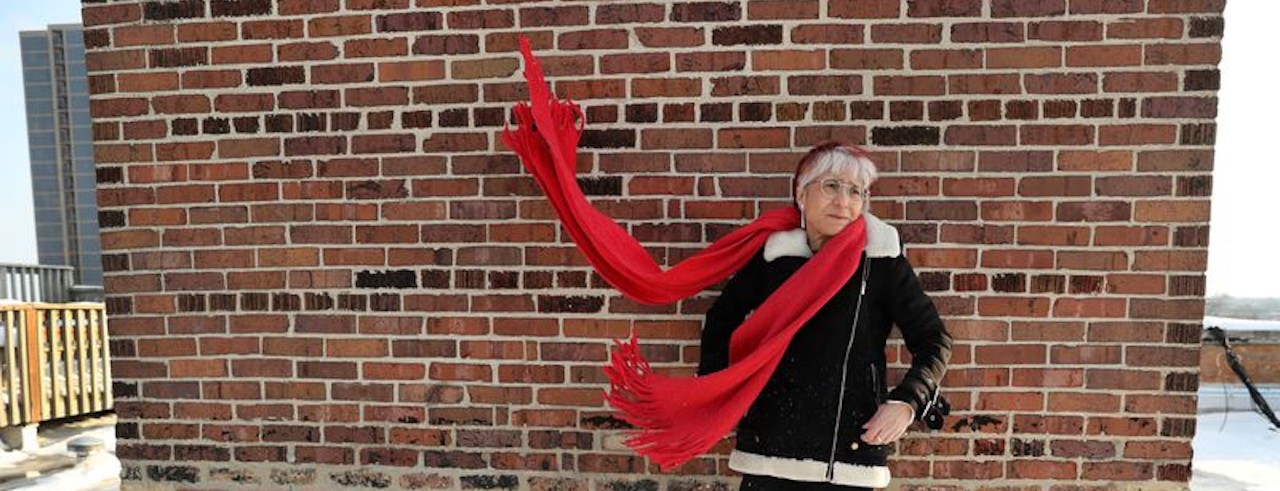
(860, 196)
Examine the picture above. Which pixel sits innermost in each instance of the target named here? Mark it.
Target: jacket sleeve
(925, 336)
(741, 295)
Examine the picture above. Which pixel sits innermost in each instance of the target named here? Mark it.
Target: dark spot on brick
(1097, 108)
(505, 279)
(362, 478)
(97, 38)
(945, 110)
(185, 9)
(1128, 108)
(413, 21)
(279, 123)
(179, 57)
(866, 110)
(285, 302)
(115, 262)
(344, 121)
(1178, 427)
(109, 174)
(1175, 472)
(935, 281)
(1202, 80)
(1195, 185)
(276, 75)
(253, 301)
(1191, 236)
(191, 303)
(1181, 382)
(705, 12)
(310, 122)
(988, 446)
(489, 482)
(716, 112)
(1026, 448)
(222, 301)
(1086, 284)
(127, 431)
(565, 303)
(454, 118)
(111, 219)
(608, 139)
(489, 116)
(1198, 134)
(216, 126)
(642, 113)
(1184, 333)
(119, 305)
(1186, 286)
(976, 423)
(347, 301)
(184, 127)
(1059, 109)
(918, 233)
(697, 485)
(236, 8)
(318, 301)
(755, 111)
(1009, 282)
(432, 278)
(905, 135)
(124, 389)
(906, 111)
(604, 422)
(384, 302)
(1206, 27)
(246, 124)
(601, 186)
(415, 119)
(456, 460)
(749, 35)
(1021, 110)
(644, 485)
(386, 279)
(173, 473)
(1048, 284)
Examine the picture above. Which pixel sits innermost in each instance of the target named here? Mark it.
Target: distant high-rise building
(59, 133)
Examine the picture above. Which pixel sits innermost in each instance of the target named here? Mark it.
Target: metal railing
(36, 283)
(54, 361)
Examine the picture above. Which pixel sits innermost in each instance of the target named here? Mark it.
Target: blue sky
(1243, 237)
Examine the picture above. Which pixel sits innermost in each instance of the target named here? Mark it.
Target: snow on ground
(1235, 451)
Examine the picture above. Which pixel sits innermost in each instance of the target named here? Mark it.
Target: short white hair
(838, 160)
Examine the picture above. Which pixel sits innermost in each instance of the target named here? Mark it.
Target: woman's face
(830, 202)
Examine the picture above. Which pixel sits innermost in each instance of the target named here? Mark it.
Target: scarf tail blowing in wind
(675, 418)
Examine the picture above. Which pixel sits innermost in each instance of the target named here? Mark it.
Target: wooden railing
(54, 361)
(36, 283)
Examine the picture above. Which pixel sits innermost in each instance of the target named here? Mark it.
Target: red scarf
(676, 418)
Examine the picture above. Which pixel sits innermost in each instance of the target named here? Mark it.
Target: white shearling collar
(882, 241)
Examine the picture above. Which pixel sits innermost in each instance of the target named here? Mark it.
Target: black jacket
(792, 430)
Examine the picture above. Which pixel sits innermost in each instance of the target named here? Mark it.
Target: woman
(825, 419)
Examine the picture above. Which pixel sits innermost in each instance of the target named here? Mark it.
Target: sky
(1242, 257)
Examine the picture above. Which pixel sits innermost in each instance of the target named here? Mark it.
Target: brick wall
(323, 268)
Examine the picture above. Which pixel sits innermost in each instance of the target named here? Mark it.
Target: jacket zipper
(875, 381)
(844, 369)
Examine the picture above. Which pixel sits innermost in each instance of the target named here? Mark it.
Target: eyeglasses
(832, 188)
